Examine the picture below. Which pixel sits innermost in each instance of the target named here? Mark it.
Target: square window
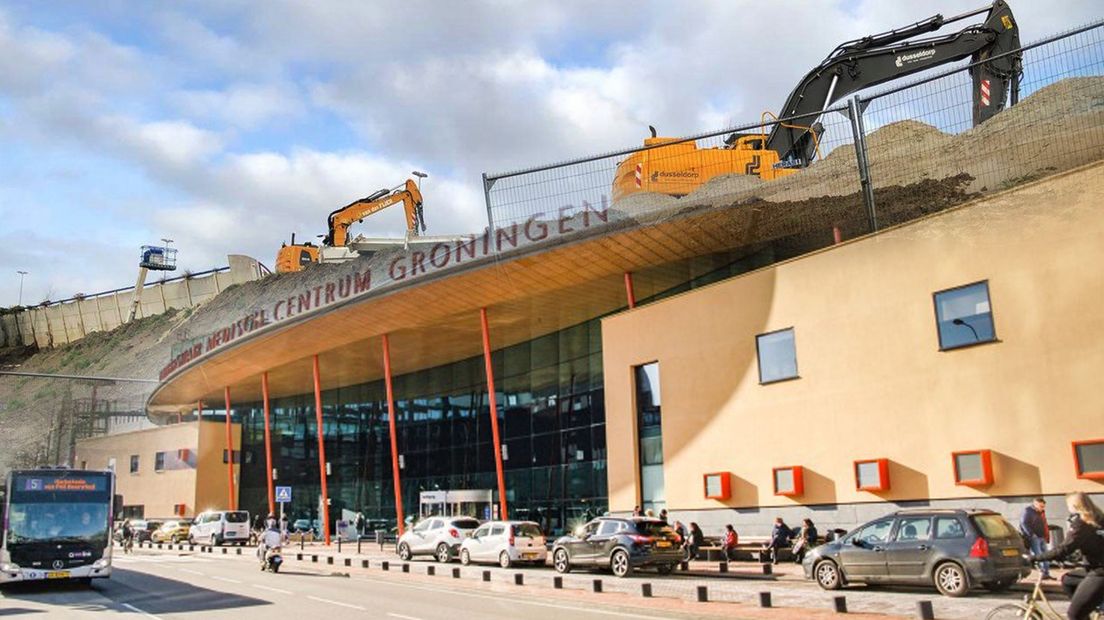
(777, 356)
(973, 468)
(963, 316)
(718, 486)
(1088, 457)
(789, 481)
(872, 475)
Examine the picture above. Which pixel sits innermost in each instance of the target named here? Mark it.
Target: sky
(227, 125)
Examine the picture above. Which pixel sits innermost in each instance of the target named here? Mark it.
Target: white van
(217, 527)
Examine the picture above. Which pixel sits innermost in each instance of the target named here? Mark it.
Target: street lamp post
(21, 274)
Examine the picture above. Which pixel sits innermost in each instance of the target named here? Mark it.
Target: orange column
(229, 453)
(268, 444)
(629, 290)
(494, 415)
(321, 453)
(394, 438)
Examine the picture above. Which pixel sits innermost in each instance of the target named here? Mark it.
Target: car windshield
(529, 530)
(994, 526)
(655, 528)
(465, 524)
(237, 517)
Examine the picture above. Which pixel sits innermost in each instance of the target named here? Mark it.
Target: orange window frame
(986, 468)
(726, 485)
(1081, 474)
(883, 475)
(798, 481)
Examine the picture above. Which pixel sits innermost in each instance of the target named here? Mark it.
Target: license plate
(663, 543)
(1011, 552)
(57, 574)
(528, 556)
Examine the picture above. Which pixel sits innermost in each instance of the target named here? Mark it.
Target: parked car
(437, 536)
(621, 544)
(172, 531)
(218, 527)
(951, 549)
(143, 529)
(505, 542)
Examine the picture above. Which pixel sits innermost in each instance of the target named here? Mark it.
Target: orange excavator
(293, 257)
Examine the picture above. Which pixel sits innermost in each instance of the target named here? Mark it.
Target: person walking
(1033, 526)
(697, 539)
(360, 524)
(780, 537)
(1085, 585)
(731, 540)
(806, 539)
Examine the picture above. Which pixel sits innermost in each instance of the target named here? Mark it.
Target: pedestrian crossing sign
(283, 495)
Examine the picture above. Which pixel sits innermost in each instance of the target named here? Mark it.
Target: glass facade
(649, 429)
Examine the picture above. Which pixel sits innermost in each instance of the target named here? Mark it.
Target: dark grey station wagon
(950, 549)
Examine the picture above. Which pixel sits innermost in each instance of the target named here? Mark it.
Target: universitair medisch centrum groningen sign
(358, 278)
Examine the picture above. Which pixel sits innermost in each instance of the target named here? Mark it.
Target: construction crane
(156, 258)
(680, 167)
(293, 257)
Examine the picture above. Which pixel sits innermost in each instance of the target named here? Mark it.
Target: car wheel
(619, 563)
(443, 555)
(404, 552)
(950, 579)
(666, 569)
(216, 540)
(561, 562)
(504, 560)
(827, 575)
(465, 557)
(191, 539)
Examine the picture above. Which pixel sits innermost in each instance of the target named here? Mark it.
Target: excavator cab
(294, 257)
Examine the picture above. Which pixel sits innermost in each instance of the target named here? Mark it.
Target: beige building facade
(173, 470)
(879, 372)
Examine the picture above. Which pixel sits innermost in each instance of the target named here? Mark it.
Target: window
(973, 468)
(914, 528)
(963, 316)
(877, 532)
(133, 463)
(949, 527)
(482, 532)
(789, 481)
(237, 456)
(159, 461)
(718, 486)
(1088, 457)
(777, 356)
(872, 475)
(609, 528)
(497, 530)
(649, 428)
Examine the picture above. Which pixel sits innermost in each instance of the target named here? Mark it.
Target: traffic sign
(283, 495)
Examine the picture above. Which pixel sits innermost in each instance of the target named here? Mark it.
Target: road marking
(226, 579)
(190, 571)
(272, 589)
(402, 617)
(326, 600)
(139, 611)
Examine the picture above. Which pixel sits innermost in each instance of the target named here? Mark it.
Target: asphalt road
(189, 585)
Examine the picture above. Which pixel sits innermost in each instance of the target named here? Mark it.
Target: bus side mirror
(117, 505)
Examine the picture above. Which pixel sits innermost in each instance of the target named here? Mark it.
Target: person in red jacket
(731, 539)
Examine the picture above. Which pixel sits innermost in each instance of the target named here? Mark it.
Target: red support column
(268, 444)
(394, 437)
(321, 453)
(229, 453)
(494, 415)
(629, 290)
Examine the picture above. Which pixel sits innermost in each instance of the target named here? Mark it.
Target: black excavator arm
(876, 59)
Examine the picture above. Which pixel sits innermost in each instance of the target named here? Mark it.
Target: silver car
(505, 542)
(436, 536)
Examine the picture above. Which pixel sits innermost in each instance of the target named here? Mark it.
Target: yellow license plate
(58, 574)
(663, 543)
(1011, 552)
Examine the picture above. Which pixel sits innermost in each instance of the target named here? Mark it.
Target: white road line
(226, 579)
(402, 617)
(278, 590)
(190, 571)
(139, 611)
(326, 600)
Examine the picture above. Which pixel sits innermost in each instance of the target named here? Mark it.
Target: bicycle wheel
(1014, 611)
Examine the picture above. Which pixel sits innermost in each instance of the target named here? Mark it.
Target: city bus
(57, 525)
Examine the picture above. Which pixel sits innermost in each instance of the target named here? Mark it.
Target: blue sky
(227, 125)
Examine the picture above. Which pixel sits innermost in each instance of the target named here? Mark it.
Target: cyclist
(128, 536)
(1086, 534)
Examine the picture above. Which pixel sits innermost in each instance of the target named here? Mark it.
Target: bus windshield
(51, 522)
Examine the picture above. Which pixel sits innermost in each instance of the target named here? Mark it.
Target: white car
(436, 536)
(217, 527)
(505, 542)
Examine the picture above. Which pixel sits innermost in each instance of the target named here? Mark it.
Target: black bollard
(768, 569)
(224, 551)
(456, 573)
(764, 599)
(406, 567)
(840, 604)
(646, 590)
(348, 561)
(684, 566)
(358, 545)
(924, 610)
(314, 558)
(703, 594)
(519, 579)
(329, 559)
(486, 575)
(299, 556)
(301, 542)
(339, 544)
(431, 570)
(723, 567)
(597, 585)
(557, 583)
(364, 563)
(385, 565)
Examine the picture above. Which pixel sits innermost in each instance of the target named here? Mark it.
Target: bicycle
(1035, 606)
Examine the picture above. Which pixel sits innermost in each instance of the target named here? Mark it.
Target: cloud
(243, 106)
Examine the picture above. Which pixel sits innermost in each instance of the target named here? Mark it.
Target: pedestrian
(680, 529)
(638, 512)
(649, 513)
(1036, 532)
(663, 515)
(731, 540)
(806, 539)
(1084, 585)
(283, 523)
(360, 524)
(697, 539)
(780, 537)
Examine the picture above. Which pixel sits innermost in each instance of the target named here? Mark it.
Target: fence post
(854, 111)
(487, 185)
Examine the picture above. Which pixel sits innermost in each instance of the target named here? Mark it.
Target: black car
(622, 544)
(950, 549)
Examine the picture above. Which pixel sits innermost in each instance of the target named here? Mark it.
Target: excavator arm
(872, 60)
(409, 195)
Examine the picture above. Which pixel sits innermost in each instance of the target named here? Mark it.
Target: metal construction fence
(881, 159)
